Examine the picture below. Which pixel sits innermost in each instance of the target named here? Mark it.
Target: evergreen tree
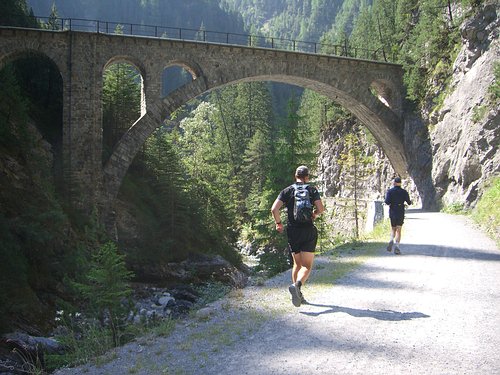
(105, 288)
(356, 166)
(53, 21)
(16, 13)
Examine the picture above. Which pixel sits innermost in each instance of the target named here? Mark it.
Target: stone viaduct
(372, 91)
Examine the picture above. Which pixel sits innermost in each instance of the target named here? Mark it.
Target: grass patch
(328, 275)
(487, 211)
(479, 112)
(494, 89)
(456, 208)
(380, 232)
(210, 292)
(345, 258)
(163, 328)
(89, 343)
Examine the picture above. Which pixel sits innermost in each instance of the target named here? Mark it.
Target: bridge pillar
(82, 123)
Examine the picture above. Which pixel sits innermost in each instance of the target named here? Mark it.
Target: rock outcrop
(466, 129)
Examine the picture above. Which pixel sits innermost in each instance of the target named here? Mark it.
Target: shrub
(106, 287)
(487, 210)
(455, 208)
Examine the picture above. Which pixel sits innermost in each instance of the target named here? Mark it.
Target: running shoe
(389, 247)
(397, 251)
(295, 292)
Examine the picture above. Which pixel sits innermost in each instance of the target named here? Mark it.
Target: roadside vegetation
(486, 213)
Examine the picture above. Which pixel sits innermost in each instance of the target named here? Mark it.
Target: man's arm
(408, 200)
(319, 208)
(275, 211)
(388, 197)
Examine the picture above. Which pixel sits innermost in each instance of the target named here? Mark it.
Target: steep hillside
(295, 19)
(192, 14)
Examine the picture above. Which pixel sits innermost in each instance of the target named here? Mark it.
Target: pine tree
(105, 288)
(16, 13)
(356, 166)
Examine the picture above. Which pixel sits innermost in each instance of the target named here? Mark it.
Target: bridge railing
(178, 33)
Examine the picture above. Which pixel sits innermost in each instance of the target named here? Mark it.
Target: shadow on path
(450, 252)
(439, 251)
(388, 315)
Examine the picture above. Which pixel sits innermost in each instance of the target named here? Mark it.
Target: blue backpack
(302, 208)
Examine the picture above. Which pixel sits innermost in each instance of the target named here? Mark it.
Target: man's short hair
(397, 180)
(302, 171)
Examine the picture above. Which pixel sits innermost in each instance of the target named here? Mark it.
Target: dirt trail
(433, 310)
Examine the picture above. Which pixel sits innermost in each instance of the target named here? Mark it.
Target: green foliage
(478, 112)
(356, 165)
(226, 145)
(121, 98)
(487, 210)
(210, 292)
(16, 13)
(52, 23)
(422, 36)
(455, 208)
(189, 14)
(274, 262)
(494, 89)
(291, 19)
(177, 215)
(380, 232)
(13, 112)
(83, 340)
(106, 287)
(35, 231)
(13, 275)
(431, 41)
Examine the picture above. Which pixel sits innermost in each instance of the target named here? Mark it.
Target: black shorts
(302, 239)
(397, 221)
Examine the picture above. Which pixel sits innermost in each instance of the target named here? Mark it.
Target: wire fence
(215, 37)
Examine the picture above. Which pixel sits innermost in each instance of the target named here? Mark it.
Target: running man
(396, 198)
(302, 234)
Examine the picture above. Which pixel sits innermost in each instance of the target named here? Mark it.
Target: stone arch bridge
(372, 91)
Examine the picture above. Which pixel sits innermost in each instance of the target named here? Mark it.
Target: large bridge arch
(378, 117)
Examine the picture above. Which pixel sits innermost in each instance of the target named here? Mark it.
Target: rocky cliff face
(465, 131)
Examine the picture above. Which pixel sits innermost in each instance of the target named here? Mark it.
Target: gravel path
(433, 310)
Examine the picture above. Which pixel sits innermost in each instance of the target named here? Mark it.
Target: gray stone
(375, 215)
(165, 300)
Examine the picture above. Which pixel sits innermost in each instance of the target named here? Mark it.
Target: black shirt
(395, 198)
(287, 197)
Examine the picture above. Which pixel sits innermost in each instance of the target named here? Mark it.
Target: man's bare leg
(397, 238)
(302, 265)
(305, 259)
(391, 241)
(297, 265)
